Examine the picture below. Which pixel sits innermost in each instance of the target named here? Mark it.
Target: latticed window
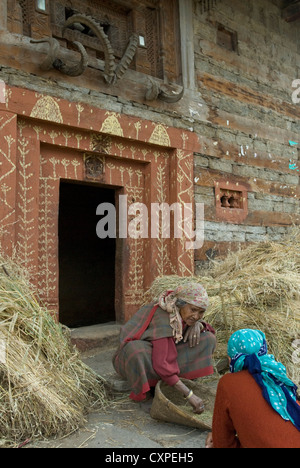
(156, 23)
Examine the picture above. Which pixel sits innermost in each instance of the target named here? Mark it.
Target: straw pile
(258, 288)
(45, 389)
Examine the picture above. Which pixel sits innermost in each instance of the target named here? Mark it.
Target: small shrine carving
(94, 166)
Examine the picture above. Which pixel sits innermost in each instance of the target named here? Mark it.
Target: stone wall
(252, 123)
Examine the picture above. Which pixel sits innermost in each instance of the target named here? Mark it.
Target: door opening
(86, 263)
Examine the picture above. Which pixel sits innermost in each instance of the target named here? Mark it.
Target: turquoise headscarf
(248, 350)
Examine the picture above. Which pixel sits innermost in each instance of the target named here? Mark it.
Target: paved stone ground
(126, 424)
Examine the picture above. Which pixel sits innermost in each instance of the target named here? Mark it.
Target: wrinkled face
(190, 314)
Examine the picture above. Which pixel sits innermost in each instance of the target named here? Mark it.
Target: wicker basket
(170, 406)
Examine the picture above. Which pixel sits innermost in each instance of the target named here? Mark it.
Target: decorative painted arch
(46, 139)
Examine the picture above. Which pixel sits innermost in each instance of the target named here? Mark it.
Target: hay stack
(258, 287)
(45, 389)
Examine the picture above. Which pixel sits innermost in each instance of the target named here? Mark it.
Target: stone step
(97, 345)
(89, 339)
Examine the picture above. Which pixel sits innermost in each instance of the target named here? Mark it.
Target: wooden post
(187, 43)
(3, 15)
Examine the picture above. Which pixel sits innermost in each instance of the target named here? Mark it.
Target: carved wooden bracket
(164, 92)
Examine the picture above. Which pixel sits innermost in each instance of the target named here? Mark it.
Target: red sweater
(243, 418)
(164, 357)
(164, 360)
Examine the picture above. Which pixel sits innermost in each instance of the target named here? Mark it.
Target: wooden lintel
(292, 12)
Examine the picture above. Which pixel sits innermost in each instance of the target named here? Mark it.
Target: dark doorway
(86, 263)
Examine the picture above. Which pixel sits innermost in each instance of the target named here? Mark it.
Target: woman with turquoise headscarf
(256, 405)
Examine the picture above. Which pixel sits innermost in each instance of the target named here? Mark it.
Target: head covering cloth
(191, 293)
(248, 350)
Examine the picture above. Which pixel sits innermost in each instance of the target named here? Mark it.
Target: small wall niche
(231, 201)
(227, 38)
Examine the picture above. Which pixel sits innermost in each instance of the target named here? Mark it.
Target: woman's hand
(197, 404)
(191, 398)
(192, 334)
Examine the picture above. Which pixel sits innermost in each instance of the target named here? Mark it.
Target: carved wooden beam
(113, 71)
(291, 13)
(52, 60)
(54, 47)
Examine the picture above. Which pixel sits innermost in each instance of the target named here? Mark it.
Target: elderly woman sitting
(166, 341)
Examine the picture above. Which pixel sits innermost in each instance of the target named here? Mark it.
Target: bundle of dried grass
(45, 389)
(258, 287)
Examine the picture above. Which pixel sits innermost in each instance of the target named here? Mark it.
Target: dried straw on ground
(45, 389)
(258, 287)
